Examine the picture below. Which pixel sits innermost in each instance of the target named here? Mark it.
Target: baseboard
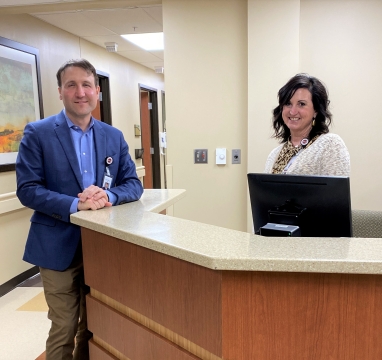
(11, 284)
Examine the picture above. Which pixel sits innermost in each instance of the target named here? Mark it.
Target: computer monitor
(319, 205)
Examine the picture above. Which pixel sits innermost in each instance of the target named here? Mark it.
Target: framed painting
(20, 96)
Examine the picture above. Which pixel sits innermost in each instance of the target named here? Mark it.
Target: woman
(301, 122)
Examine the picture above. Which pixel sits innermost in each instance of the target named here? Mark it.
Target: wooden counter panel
(98, 353)
(181, 296)
(289, 316)
(128, 337)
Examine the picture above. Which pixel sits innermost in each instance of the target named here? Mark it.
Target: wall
(341, 42)
(338, 41)
(225, 61)
(55, 47)
(206, 106)
(273, 55)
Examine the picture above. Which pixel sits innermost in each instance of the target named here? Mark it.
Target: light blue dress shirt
(83, 142)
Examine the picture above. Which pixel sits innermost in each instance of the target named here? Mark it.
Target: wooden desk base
(147, 305)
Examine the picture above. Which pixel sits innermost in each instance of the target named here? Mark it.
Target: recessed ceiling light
(149, 41)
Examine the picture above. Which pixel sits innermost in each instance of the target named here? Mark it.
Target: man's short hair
(81, 63)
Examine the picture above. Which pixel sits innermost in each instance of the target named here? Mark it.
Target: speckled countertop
(224, 249)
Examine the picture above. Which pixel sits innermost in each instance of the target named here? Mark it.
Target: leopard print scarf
(286, 154)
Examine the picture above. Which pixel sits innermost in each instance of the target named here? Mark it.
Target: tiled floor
(24, 324)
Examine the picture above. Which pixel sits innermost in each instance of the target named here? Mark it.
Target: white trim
(9, 202)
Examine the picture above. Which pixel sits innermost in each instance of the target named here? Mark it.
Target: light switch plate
(137, 130)
(221, 156)
(200, 156)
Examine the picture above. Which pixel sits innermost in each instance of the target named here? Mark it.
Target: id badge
(107, 180)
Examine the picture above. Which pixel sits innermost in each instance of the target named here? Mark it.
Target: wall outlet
(236, 156)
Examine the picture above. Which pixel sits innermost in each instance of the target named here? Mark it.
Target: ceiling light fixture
(148, 41)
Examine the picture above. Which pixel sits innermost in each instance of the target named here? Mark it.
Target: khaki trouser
(65, 295)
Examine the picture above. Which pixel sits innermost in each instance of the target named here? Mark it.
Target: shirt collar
(71, 125)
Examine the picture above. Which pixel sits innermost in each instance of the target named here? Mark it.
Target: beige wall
(273, 55)
(340, 42)
(55, 47)
(206, 106)
(327, 39)
(225, 61)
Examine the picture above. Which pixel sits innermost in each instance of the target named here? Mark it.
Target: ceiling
(99, 22)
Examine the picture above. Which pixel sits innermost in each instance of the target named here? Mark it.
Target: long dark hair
(320, 103)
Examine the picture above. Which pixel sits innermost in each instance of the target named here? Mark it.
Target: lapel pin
(304, 142)
(109, 160)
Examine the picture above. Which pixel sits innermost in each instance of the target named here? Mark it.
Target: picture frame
(20, 96)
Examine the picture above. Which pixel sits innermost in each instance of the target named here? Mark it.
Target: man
(63, 165)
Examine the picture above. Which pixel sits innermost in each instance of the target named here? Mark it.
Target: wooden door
(96, 113)
(103, 109)
(146, 140)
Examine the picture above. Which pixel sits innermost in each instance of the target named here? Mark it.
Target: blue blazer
(49, 178)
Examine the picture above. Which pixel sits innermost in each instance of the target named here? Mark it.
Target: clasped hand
(93, 198)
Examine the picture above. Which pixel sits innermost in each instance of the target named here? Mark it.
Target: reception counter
(169, 288)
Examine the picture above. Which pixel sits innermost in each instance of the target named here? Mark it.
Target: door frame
(154, 128)
(164, 125)
(105, 104)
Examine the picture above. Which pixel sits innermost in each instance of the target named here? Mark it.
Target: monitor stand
(271, 229)
(284, 220)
